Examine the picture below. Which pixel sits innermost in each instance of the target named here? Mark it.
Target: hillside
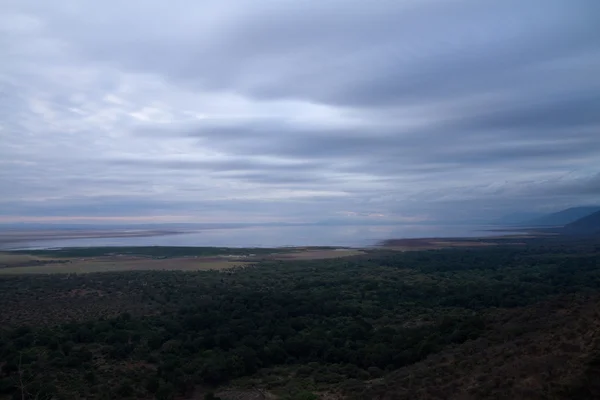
(517, 218)
(589, 225)
(547, 350)
(563, 217)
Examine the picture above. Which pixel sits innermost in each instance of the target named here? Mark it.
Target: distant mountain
(517, 218)
(589, 225)
(562, 218)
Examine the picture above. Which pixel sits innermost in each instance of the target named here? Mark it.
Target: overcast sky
(287, 110)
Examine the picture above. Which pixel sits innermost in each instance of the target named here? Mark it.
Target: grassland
(116, 259)
(98, 265)
(11, 259)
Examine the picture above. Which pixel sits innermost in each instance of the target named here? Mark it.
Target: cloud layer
(266, 110)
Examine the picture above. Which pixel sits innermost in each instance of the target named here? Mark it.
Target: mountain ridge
(589, 225)
(563, 217)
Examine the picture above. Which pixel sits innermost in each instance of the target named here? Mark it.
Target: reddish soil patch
(318, 254)
(432, 243)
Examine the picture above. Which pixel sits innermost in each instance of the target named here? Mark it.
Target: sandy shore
(15, 236)
(443, 243)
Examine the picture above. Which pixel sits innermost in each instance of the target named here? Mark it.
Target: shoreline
(434, 243)
(15, 240)
(15, 237)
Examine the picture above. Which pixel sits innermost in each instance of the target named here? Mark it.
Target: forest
(358, 327)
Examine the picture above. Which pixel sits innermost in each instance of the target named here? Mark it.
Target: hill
(588, 225)
(517, 218)
(557, 338)
(563, 217)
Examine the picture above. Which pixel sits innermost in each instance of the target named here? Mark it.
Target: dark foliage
(336, 322)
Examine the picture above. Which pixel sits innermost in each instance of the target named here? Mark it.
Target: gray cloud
(342, 52)
(569, 112)
(295, 110)
(227, 165)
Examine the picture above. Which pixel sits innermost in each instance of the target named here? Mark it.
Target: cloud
(282, 110)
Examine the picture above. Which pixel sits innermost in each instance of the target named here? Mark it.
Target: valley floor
(508, 320)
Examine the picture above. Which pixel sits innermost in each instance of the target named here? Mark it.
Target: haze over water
(351, 236)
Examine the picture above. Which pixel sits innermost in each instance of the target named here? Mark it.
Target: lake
(307, 235)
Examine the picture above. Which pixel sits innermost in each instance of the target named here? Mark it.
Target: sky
(387, 111)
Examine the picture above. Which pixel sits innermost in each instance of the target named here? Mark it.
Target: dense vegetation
(293, 327)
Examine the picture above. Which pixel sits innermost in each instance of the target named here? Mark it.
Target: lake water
(349, 236)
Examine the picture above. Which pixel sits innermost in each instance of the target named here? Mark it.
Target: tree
(166, 391)
(211, 396)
